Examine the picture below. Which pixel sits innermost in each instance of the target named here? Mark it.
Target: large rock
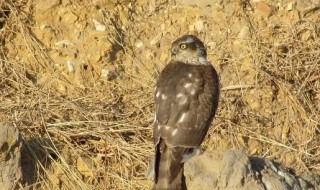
(10, 156)
(233, 169)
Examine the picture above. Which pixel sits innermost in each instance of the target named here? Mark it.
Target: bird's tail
(168, 171)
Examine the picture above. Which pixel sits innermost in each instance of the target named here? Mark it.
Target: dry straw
(96, 133)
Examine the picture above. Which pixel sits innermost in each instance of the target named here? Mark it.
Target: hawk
(186, 99)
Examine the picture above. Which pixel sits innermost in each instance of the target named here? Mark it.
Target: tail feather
(168, 171)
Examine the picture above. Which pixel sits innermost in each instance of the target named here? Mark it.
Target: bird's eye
(183, 46)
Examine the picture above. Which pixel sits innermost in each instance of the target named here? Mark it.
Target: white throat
(193, 61)
(203, 61)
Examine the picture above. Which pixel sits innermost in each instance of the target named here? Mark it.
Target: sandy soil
(77, 79)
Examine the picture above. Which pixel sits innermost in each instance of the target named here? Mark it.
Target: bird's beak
(174, 51)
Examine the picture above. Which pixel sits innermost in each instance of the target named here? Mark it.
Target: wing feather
(186, 99)
(191, 93)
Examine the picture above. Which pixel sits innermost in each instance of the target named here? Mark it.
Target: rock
(264, 8)
(290, 6)
(139, 44)
(66, 3)
(199, 25)
(221, 170)
(244, 33)
(10, 167)
(86, 166)
(63, 43)
(70, 66)
(156, 39)
(69, 18)
(233, 169)
(98, 26)
(303, 5)
(275, 176)
(44, 5)
(108, 74)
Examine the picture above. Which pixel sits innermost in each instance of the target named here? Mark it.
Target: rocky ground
(77, 80)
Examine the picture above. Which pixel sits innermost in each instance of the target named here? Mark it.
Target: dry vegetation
(82, 98)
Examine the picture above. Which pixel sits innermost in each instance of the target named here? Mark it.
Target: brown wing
(186, 99)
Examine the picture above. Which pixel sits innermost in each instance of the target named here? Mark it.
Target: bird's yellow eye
(183, 46)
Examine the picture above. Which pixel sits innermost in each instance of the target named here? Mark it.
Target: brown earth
(77, 77)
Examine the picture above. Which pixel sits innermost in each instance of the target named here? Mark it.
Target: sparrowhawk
(186, 99)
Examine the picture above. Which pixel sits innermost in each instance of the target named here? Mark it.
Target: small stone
(191, 27)
(130, 5)
(163, 26)
(289, 6)
(98, 26)
(138, 44)
(212, 45)
(85, 166)
(44, 26)
(305, 35)
(199, 25)
(60, 87)
(44, 5)
(163, 57)
(265, 8)
(244, 33)
(97, 56)
(255, 105)
(149, 55)
(155, 40)
(63, 42)
(66, 3)
(306, 5)
(70, 66)
(70, 18)
(110, 75)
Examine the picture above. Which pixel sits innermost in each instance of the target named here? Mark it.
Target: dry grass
(95, 133)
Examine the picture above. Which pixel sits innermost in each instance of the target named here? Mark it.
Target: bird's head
(189, 49)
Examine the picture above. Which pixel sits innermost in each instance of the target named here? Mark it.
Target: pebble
(70, 18)
(109, 74)
(70, 66)
(98, 26)
(199, 25)
(265, 8)
(63, 42)
(289, 6)
(138, 44)
(244, 33)
(44, 5)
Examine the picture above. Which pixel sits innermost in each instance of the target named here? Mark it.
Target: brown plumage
(186, 99)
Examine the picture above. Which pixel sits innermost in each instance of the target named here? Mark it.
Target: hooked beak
(174, 51)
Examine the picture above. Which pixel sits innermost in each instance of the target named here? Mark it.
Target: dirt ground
(77, 79)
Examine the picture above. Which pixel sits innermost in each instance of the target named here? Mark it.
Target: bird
(186, 100)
